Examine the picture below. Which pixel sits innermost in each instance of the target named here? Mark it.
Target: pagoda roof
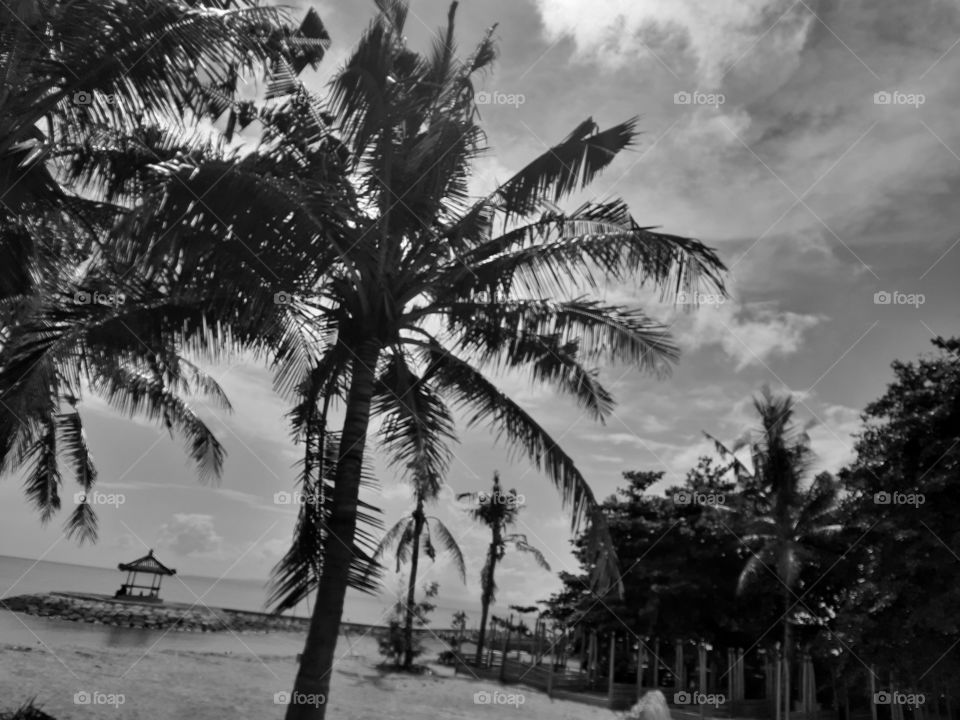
(147, 564)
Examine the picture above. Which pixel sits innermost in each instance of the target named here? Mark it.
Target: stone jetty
(104, 610)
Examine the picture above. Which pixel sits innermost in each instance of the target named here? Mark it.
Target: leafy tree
(787, 520)
(407, 537)
(497, 511)
(396, 645)
(901, 511)
(676, 550)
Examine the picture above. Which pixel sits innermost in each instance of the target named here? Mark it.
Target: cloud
(709, 35)
(190, 534)
(750, 334)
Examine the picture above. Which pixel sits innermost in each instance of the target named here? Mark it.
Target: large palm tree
(497, 511)
(95, 93)
(398, 293)
(786, 517)
(407, 537)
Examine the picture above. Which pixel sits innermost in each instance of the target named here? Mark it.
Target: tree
(787, 520)
(676, 549)
(899, 606)
(407, 537)
(460, 625)
(497, 511)
(95, 93)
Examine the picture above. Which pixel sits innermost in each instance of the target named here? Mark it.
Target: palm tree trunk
(485, 598)
(412, 587)
(312, 684)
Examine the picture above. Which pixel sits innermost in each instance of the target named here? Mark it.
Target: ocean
(21, 576)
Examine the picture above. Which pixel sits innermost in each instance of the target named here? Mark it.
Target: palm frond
(449, 544)
(417, 426)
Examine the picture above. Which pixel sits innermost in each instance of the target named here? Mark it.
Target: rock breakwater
(152, 616)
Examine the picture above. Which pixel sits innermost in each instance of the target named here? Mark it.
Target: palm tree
(407, 537)
(399, 292)
(497, 511)
(785, 518)
(106, 88)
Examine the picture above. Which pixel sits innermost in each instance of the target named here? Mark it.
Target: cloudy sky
(815, 144)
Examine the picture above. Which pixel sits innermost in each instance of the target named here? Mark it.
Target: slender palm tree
(94, 93)
(786, 518)
(378, 286)
(498, 511)
(407, 537)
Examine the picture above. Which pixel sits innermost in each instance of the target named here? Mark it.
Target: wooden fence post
(613, 652)
(641, 659)
(656, 662)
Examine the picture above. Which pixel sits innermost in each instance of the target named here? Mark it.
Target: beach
(161, 682)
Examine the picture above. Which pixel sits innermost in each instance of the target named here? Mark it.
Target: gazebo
(148, 565)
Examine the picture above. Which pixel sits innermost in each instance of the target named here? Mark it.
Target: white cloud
(750, 334)
(715, 34)
(190, 534)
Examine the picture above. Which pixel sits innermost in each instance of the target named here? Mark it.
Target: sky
(813, 144)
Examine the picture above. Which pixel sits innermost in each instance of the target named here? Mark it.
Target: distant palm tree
(783, 519)
(460, 625)
(407, 537)
(497, 510)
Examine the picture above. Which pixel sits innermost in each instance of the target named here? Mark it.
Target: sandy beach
(161, 684)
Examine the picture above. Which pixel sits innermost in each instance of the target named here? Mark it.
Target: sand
(129, 684)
